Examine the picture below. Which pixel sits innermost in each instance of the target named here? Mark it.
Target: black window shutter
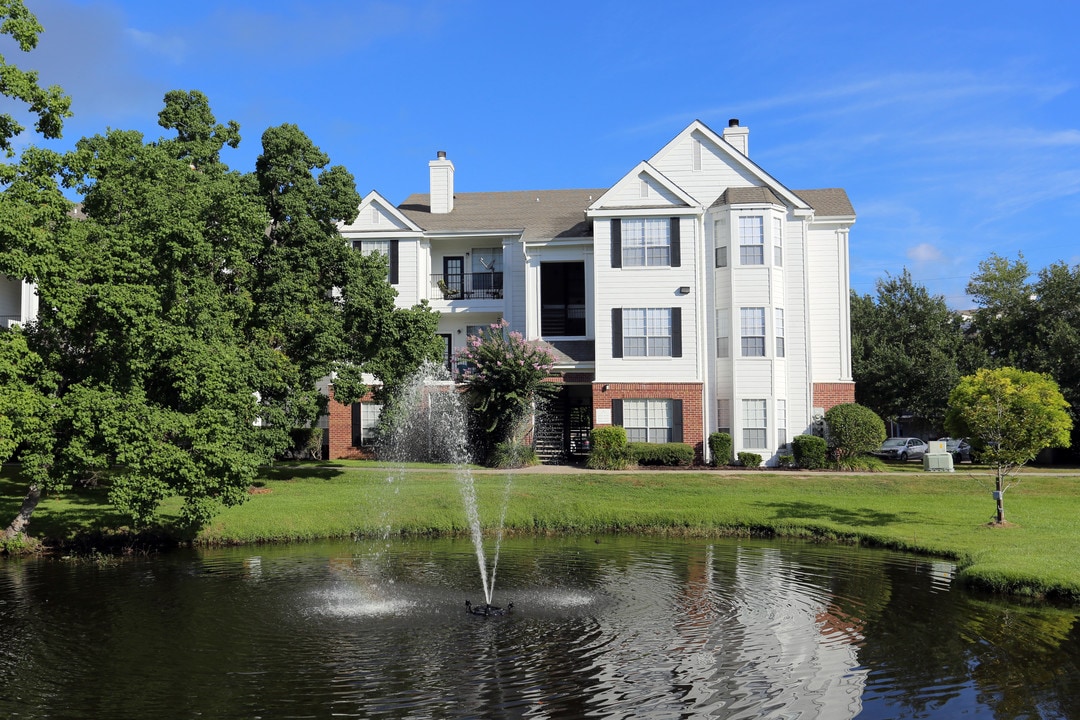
(676, 421)
(676, 332)
(394, 262)
(616, 412)
(676, 246)
(357, 424)
(616, 243)
(616, 332)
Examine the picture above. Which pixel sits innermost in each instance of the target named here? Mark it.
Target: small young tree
(854, 430)
(1009, 416)
(505, 378)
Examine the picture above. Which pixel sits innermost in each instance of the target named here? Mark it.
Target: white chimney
(738, 136)
(442, 184)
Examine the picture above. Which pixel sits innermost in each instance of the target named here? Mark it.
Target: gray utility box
(934, 462)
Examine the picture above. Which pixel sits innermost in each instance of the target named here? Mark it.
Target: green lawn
(943, 514)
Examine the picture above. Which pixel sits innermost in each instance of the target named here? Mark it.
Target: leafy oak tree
(1010, 415)
(908, 350)
(189, 311)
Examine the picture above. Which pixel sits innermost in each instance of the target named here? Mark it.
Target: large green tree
(1010, 416)
(49, 104)
(1031, 322)
(908, 350)
(189, 311)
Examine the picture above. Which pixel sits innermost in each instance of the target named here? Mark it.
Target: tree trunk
(18, 525)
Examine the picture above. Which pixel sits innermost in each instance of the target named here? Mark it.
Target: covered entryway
(563, 425)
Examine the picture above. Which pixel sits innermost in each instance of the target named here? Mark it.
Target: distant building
(697, 294)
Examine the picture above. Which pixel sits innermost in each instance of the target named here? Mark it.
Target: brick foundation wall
(339, 434)
(689, 393)
(827, 395)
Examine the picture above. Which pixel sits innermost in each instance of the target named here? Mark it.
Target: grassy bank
(946, 515)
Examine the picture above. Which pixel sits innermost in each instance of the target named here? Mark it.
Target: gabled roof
(748, 196)
(533, 214)
(656, 180)
(828, 202)
(374, 199)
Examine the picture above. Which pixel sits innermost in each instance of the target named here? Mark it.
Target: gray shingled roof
(538, 214)
(737, 195)
(828, 202)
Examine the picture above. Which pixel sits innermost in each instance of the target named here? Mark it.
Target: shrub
(809, 451)
(512, 454)
(786, 461)
(609, 449)
(671, 454)
(854, 430)
(749, 459)
(719, 449)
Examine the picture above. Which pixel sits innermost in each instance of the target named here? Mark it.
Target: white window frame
(369, 422)
(723, 333)
(752, 240)
(778, 242)
(723, 415)
(755, 424)
(781, 423)
(752, 331)
(646, 242)
(647, 332)
(778, 331)
(648, 420)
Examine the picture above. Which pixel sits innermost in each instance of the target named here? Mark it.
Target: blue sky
(954, 126)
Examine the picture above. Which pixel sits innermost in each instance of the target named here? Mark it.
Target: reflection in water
(621, 628)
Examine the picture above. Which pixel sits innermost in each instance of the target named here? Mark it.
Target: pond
(613, 627)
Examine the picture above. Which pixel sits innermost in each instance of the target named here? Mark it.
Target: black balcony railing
(467, 286)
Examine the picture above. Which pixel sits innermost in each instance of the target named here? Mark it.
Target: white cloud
(173, 48)
(924, 253)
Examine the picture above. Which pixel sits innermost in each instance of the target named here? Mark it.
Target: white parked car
(902, 449)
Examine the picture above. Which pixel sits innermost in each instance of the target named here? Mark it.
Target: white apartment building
(696, 294)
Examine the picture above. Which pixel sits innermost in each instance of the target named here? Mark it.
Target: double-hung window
(723, 415)
(723, 333)
(647, 420)
(778, 242)
(778, 327)
(365, 423)
(646, 332)
(781, 423)
(646, 242)
(753, 331)
(755, 425)
(752, 240)
(386, 248)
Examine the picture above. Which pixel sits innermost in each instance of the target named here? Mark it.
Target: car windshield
(894, 442)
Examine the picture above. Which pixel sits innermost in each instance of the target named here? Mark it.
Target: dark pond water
(617, 628)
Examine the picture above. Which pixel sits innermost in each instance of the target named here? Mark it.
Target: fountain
(427, 421)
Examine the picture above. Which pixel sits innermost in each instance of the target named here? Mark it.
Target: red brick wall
(340, 432)
(689, 393)
(827, 395)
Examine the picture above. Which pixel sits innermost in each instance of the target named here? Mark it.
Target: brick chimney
(442, 184)
(738, 136)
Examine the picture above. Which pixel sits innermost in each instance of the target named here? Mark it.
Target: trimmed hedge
(749, 459)
(609, 448)
(809, 451)
(671, 454)
(720, 446)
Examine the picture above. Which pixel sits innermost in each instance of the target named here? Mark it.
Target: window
(646, 332)
(752, 240)
(779, 328)
(721, 256)
(387, 248)
(365, 423)
(753, 332)
(755, 427)
(781, 423)
(487, 273)
(647, 420)
(778, 242)
(723, 416)
(723, 333)
(646, 241)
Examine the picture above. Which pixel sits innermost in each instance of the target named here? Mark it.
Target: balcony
(466, 286)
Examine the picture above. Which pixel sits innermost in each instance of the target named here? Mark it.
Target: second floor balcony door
(453, 276)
